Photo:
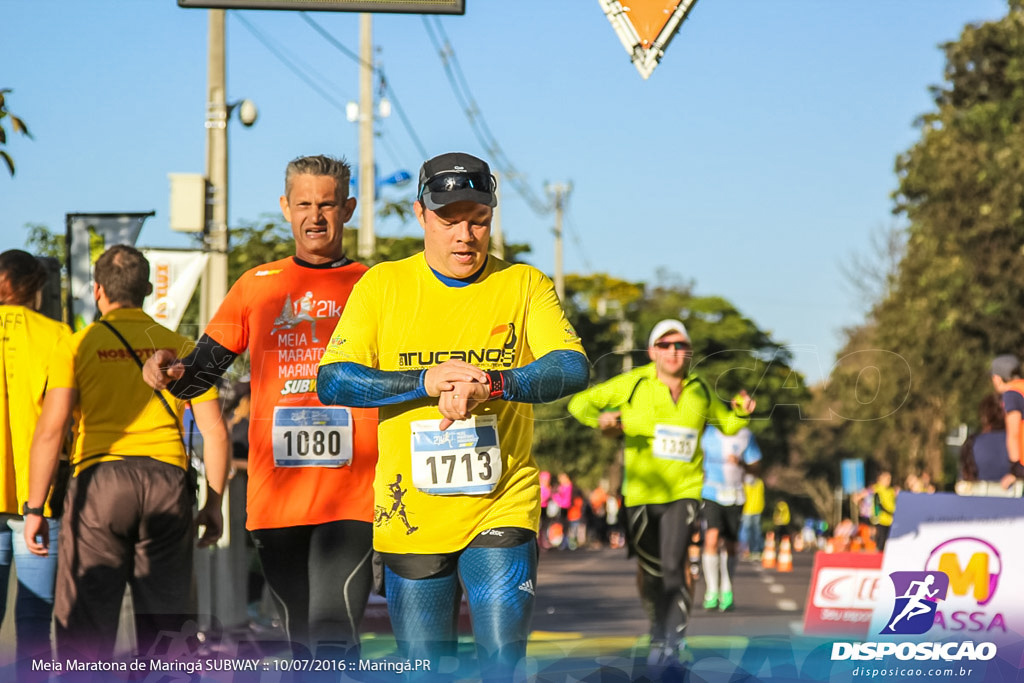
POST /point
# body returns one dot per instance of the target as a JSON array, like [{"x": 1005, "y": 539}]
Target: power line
[
  {"x": 460, "y": 86},
  {"x": 288, "y": 62},
  {"x": 395, "y": 104},
  {"x": 330, "y": 39},
  {"x": 578, "y": 241}
]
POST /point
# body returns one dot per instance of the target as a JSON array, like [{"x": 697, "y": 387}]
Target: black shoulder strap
[{"x": 138, "y": 361}]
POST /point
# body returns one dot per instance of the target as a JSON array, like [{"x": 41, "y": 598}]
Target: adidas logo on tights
[{"x": 527, "y": 586}]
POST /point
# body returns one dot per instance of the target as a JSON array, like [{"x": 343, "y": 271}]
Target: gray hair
[{"x": 320, "y": 164}]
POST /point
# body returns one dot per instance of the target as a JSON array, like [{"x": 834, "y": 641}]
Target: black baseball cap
[{"x": 456, "y": 177}]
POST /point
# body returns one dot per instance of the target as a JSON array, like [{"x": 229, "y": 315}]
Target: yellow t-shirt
[
  {"x": 118, "y": 415},
  {"x": 400, "y": 316},
  {"x": 754, "y": 504},
  {"x": 26, "y": 348},
  {"x": 885, "y": 505}
]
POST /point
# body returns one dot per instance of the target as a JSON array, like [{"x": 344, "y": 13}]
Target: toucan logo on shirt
[{"x": 504, "y": 356}]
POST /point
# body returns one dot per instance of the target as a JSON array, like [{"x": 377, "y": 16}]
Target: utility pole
[
  {"x": 215, "y": 279},
  {"x": 559, "y": 194},
  {"x": 367, "y": 175}
]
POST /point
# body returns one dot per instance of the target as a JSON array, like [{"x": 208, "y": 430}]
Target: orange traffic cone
[
  {"x": 798, "y": 544},
  {"x": 785, "y": 556},
  {"x": 768, "y": 556}
]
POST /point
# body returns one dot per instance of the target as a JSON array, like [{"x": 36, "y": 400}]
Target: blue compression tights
[{"x": 499, "y": 585}]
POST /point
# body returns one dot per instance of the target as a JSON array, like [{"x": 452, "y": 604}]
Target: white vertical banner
[{"x": 174, "y": 274}]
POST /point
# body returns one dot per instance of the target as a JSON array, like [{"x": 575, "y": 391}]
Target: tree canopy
[
  {"x": 918, "y": 366},
  {"x": 614, "y": 317}
]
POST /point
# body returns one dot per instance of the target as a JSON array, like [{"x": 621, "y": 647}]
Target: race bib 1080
[
  {"x": 312, "y": 437},
  {"x": 463, "y": 459}
]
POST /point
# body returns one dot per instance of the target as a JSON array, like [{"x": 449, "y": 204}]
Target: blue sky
[{"x": 756, "y": 161}]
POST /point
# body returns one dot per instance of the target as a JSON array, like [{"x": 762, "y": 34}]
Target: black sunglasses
[
  {"x": 451, "y": 181},
  {"x": 678, "y": 346}
]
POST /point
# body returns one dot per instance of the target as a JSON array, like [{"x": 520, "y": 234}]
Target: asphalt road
[
  {"x": 593, "y": 593},
  {"x": 588, "y": 623}
]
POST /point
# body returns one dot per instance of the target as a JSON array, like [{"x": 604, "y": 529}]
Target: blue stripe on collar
[{"x": 457, "y": 282}]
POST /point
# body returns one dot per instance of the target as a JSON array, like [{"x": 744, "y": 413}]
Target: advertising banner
[
  {"x": 949, "y": 589},
  {"x": 843, "y": 593},
  {"x": 174, "y": 275}
]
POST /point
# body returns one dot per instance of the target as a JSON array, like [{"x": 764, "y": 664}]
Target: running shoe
[
  {"x": 656, "y": 655},
  {"x": 725, "y": 603},
  {"x": 674, "y": 665},
  {"x": 711, "y": 601}
]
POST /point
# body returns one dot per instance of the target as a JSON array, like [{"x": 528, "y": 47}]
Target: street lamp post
[{"x": 225, "y": 566}]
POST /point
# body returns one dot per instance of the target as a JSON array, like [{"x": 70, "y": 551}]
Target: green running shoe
[
  {"x": 711, "y": 601},
  {"x": 725, "y": 603}
]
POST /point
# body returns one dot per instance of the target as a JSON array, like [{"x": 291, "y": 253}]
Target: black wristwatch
[{"x": 26, "y": 510}]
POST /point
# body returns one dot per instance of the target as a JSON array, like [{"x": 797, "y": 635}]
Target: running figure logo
[
  {"x": 293, "y": 314},
  {"x": 917, "y": 596},
  {"x": 382, "y": 515}
]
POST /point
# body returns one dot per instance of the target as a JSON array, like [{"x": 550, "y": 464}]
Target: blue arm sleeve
[
  {"x": 552, "y": 376},
  {"x": 359, "y": 386}
]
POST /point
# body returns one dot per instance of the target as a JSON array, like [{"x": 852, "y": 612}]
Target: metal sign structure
[
  {"x": 399, "y": 6},
  {"x": 646, "y": 27}
]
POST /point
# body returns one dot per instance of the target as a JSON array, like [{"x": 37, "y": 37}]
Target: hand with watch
[
  {"x": 37, "y": 530},
  {"x": 458, "y": 402}
]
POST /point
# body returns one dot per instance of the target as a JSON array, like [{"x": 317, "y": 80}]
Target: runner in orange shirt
[{"x": 310, "y": 500}]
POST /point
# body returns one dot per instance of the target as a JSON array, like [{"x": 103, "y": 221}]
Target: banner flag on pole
[
  {"x": 646, "y": 27},
  {"x": 174, "y": 274},
  {"x": 87, "y": 236}
]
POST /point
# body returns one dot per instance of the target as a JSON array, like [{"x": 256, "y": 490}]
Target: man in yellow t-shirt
[
  {"x": 753, "y": 508},
  {"x": 127, "y": 442},
  {"x": 27, "y": 342},
  {"x": 885, "y": 507},
  {"x": 453, "y": 345}
]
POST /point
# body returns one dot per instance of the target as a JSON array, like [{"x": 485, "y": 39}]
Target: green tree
[
  {"x": 917, "y": 367},
  {"x": 42, "y": 242},
  {"x": 17, "y": 126},
  {"x": 596, "y": 305},
  {"x": 730, "y": 351}
]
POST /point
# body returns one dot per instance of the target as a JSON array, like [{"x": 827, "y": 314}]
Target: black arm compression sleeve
[{"x": 203, "y": 367}]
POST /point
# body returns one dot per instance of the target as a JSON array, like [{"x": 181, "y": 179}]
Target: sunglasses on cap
[
  {"x": 451, "y": 181},
  {"x": 677, "y": 345}
]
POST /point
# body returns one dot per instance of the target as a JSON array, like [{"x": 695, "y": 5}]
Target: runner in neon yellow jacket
[{"x": 662, "y": 410}]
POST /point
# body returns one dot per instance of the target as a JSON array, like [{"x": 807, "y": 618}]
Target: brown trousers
[{"x": 128, "y": 521}]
